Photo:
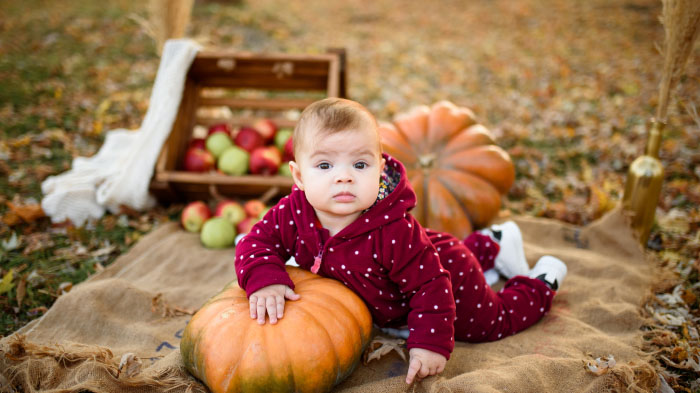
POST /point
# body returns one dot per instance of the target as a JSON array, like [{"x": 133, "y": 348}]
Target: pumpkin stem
[{"x": 427, "y": 161}]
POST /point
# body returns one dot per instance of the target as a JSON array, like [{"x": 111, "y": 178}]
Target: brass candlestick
[{"x": 643, "y": 186}]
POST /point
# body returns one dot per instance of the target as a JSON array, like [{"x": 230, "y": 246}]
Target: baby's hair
[{"x": 332, "y": 115}]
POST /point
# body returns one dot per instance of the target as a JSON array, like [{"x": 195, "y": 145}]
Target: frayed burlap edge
[
  {"x": 633, "y": 377},
  {"x": 29, "y": 367}
]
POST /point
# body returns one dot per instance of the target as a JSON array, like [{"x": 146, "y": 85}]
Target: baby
[{"x": 348, "y": 218}]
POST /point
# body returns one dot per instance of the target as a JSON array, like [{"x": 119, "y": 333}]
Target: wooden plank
[
  {"x": 178, "y": 139},
  {"x": 262, "y": 103},
  {"x": 243, "y": 121},
  {"x": 319, "y": 83},
  {"x": 220, "y": 179},
  {"x": 275, "y": 68},
  {"x": 342, "y": 70},
  {"x": 333, "y": 79},
  {"x": 257, "y": 56}
]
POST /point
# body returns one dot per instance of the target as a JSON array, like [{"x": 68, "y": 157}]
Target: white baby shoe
[
  {"x": 510, "y": 261},
  {"x": 551, "y": 270}
]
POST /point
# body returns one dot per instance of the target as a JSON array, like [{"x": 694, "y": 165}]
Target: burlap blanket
[{"x": 140, "y": 305}]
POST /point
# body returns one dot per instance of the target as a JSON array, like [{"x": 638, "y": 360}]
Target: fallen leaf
[
  {"x": 21, "y": 290},
  {"x": 11, "y": 219},
  {"x": 12, "y": 243},
  {"x": 601, "y": 366},
  {"x": 107, "y": 250},
  {"x": 28, "y": 213},
  {"x": 37, "y": 241},
  {"x": 6, "y": 284},
  {"x": 64, "y": 288},
  {"x": 381, "y": 346},
  {"x": 168, "y": 310},
  {"x": 129, "y": 365}
]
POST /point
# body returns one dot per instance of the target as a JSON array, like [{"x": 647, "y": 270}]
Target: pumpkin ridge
[
  {"x": 478, "y": 196},
  {"x": 460, "y": 203},
  {"x": 451, "y": 167},
  {"x": 232, "y": 374},
  {"x": 269, "y": 342},
  {"x": 357, "y": 325},
  {"x": 425, "y": 211},
  {"x": 406, "y": 139},
  {"x": 320, "y": 327},
  {"x": 290, "y": 369}
]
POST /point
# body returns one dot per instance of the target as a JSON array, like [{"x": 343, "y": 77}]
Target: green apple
[
  {"x": 234, "y": 161},
  {"x": 281, "y": 137},
  {"x": 218, "y": 232},
  {"x": 284, "y": 170},
  {"x": 217, "y": 143}
]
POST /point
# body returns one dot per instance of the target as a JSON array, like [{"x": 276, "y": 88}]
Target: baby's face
[{"x": 340, "y": 172}]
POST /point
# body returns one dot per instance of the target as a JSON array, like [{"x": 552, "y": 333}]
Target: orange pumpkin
[
  {"x": 453, "y": 164},
  {"x": 315, "y": 346}
]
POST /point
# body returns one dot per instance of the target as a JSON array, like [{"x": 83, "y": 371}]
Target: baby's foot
[
  {"x": 551, "y": 270},
  {"x": 510, "y": 261}
]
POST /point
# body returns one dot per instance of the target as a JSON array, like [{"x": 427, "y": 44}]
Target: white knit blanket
[{"x": 120, "y": 173}]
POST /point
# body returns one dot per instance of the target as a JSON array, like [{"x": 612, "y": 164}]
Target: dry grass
[
  {"x": 168, "y": 19},
  {"x": 681, "y": 20}
]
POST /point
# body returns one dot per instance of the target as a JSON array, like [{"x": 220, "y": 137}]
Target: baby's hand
[
  {"x": 423, "y": 363},
  {"x": 270, "y": 298}
]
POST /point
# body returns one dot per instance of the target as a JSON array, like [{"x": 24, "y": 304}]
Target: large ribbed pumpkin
[
  {"x": 453, "y": 164},
  {"x": 315, "y": 346}
]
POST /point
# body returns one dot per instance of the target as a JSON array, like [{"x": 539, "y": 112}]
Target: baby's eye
[
  {"x": 324, "y": 165},
  {"x": 360, "y": 165}
]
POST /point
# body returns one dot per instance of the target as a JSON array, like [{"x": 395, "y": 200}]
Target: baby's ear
[
  {"x": 382, "y": 163},
  {"x": 296, "y": 174}
]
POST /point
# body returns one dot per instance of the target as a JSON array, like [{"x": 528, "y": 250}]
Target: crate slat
[
  {"x": 261, "y": 103},
  {"x": 242, "y": 121}
]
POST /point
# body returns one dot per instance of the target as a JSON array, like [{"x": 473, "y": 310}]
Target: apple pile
[
  {"x": 218, "y": 229},
  {"x": 260, "y": 149}
]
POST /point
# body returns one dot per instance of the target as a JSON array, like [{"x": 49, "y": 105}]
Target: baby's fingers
[
  {"x": 413, "y": 368},
  {"x": 260, "y": 308},
  {"x": 271, "y": 305},
  {"x": 280, "y": 306},
  {"x": 253, "y": 304}
]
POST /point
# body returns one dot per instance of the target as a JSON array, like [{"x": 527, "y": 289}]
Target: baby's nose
[{"x": 343, "y": 176}]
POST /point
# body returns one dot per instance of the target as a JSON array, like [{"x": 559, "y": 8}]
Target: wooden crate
[{"x": 251, "y": 86}]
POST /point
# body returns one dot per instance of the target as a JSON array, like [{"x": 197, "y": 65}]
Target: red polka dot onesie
[{"x": 406, "y": 275}]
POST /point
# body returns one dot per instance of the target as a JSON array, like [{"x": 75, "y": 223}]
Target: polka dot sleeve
[
  {"x": 262, "y": 253},
  {"x": 414, "y": 266}
]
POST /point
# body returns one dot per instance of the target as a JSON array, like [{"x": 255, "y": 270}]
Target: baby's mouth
[{"x": 344, "y": 197}]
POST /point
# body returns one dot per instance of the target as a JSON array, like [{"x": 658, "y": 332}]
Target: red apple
[
  {"x": 221, "y": 127},
  {"x": 248, "y": 139},
  {"x": 247, "y": 224},
  {"x": 194, "y": 215},
  {"x": 199, "y": 143},
  {"x": 231, "y": 210},
  {"x": 267, "y": 128},
  {"x": 288, "y": 151},
  {"x": 265, "y": 160},
  {"x": 198, "y": 160},
  {"x": 253, "y": 208}
]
